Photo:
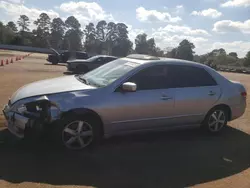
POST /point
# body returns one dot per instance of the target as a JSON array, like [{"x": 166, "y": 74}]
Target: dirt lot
[{"x": 172, "y": 159}]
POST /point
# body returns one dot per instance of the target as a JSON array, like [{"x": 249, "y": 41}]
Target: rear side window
[{"x": 188, "y": 76}]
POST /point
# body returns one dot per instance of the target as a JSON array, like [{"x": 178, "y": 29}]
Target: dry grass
[
  {"x": 9, "y": 53},
  {"x": 173, "y": 159}
]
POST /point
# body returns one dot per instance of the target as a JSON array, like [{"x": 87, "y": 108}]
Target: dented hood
[{"x": 49, "y": 86}]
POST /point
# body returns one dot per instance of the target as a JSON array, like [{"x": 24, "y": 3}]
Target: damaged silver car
[{"x": 136, "y": 93}]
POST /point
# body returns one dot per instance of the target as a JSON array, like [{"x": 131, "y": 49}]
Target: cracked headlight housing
[
  {"x": 37, "y": 107},
  {"x": 21, "y": 109},
  {"x": 18, "y": 107}
]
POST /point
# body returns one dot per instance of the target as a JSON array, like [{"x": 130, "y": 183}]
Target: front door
[{"x": 151, "y": 106}]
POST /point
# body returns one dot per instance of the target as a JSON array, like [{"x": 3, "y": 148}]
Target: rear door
[{"x": 196, "y": 92}]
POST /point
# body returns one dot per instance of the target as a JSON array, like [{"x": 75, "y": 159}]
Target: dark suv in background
[
  {"x": 64, "y": 56},
  {"x": 83, "y": 66}
]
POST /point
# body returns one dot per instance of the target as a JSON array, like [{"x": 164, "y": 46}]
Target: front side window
[
  {"x": 99, "y": 60},
  {"x": 151, "y": 78},
  {"x": 189, "y": 76},
  {"x": 108, "y": 59}
]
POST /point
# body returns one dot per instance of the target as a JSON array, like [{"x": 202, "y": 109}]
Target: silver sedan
[{"x": 136, "y": 93}]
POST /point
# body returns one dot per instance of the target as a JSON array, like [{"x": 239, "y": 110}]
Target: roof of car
[
  {"x": 160, "y": 60},
  {"x": 104, "y": 56}
]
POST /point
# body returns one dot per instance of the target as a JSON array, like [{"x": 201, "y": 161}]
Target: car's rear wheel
[
  {"x": 216, "y": 120},
  {"x": 79, "y": 133}
]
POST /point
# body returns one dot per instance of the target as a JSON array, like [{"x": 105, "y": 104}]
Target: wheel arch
[
  {"x": 224, "y": 106},
  {"x": 85, "y": 112}
]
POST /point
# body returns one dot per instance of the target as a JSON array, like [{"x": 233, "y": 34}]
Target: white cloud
[
  {"x": 212, "y": 13},
  {"x": 224, "y": 26},
  {"x": 144, "y": 15},
  {"x": 166, "y": 40},
  {"x": 86, "y": 12},
  {"x": 184, "y": 30},
  {"x": 236, "y": 3},
  {"x": 14, "y": 11},
  {"x": 241, "y": 47},
  {"x": 179, "y": 9},
  {"x": 171, "y": 36},
  {"x": 179, "y": 6},
  {"x": 15, "y": 1},
  {"x": 134, "y": 32}
]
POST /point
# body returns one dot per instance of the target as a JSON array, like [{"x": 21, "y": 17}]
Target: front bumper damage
[
  {"x": 35, "y": 115},
  {"x": 16, "y": 123}
]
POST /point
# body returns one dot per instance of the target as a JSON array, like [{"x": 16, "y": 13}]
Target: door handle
[{"x": 211, "y": 93}]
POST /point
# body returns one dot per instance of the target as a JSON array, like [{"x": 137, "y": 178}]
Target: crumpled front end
[{"x": 32, "y": 114}]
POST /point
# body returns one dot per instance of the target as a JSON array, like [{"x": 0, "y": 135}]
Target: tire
[
  {"x": 82, "y": 69},
  {"x": 55, "y": 62},
  {"x": 215, "y": 120},
  {"x": 78, "y": 133}
]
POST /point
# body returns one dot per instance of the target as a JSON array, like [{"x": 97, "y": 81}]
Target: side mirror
[{"x": 129, "y": 87}]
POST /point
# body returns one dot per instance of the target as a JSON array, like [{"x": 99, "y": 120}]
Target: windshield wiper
[{"x": 84, "y": 80}]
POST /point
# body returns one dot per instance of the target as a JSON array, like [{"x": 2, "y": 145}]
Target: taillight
[{"x": 243, "y": 94}]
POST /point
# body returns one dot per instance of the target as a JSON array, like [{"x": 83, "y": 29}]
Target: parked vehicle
[
  {"x": 64, "y": 56},
  {"x": 131, "y": 94},
  {"x": 84, "y": 66}
]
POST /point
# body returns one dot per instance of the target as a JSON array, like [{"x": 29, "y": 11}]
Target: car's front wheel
[
  {"x": 82, "y": 69},
  {"x": 79, "y": 133},
  {"x": 216, "y": 120}
]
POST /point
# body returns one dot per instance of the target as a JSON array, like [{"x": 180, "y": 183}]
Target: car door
[
  {"x": 151, "y": 106},
  {"x": 196, "y": 93},
  {"x": 96, "y": 63}
]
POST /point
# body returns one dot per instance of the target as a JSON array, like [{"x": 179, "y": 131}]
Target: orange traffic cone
[
  {"x": 7, "y": 61},
  {"x": 11, "y": 61},
  {"x": 1, "y": 63}
]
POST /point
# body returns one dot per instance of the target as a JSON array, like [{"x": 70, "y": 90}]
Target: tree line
[{"x": 103, "y": 38}]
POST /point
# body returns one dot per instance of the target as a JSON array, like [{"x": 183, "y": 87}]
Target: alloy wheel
[
  {"x": 77, "y": 135},
  {"x": 216, "y": 120}
]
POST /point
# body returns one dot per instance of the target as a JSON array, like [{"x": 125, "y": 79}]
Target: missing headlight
[
  {"x": 21, "y": 109},
  {"x": 42, "y": 109}
]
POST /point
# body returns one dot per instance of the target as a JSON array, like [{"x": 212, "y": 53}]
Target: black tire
[
  {"x": 82, "y": 69},
  {"x": 212, "y": 125},
  {"x": 88, "y": 121},
  {"x": 55, "y": 62}
]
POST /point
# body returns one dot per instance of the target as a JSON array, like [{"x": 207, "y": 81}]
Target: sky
[{"x": 209, "y": 24}]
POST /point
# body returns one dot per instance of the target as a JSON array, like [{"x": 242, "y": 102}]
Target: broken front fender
[{"x": 31, "y": 114}]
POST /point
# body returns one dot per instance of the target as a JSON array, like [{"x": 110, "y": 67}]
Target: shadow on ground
[
  {"x": 59, "y": 64},
  {"x": 68, "y": 73},
  {"x": 172, "y": 159}
]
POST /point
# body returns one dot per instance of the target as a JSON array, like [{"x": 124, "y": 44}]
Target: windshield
[
  {"x": 109, "y": 72},
  {"x": 93, "y": 58}
]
